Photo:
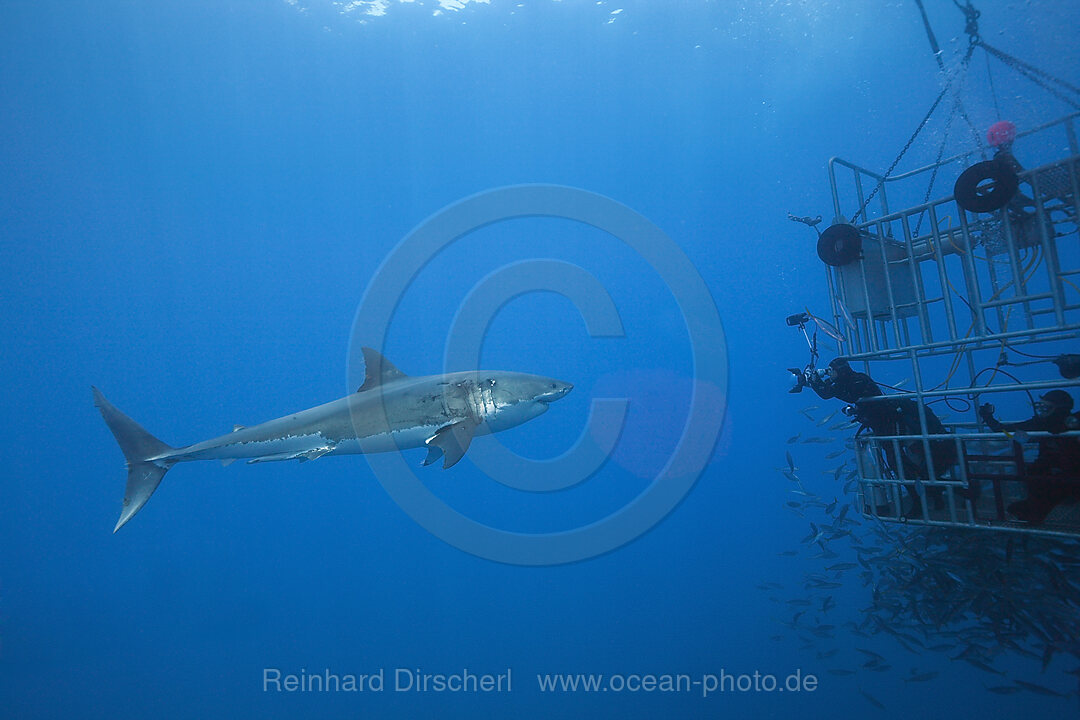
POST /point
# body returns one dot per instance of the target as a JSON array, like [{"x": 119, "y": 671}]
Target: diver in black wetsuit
[
  {"x": 839, "y": 381},
  {"x": 888, "y": 416},
  {"x": 1001, "y": 136},
  {"x": 1054, "y": 477}
]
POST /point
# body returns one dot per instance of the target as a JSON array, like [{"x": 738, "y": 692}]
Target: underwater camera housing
[
  {"x": 798, "y": 319},
  {"x": 806, "y": 376}
]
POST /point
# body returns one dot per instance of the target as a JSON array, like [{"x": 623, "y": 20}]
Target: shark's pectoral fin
[
  {"x": 433, "y": 454},
  {"x": 450, "y": 441},
  {"x": 226, "y": 462}
]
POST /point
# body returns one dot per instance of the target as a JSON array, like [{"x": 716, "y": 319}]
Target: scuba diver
[
  {"x": 880, "y": 415},
  {"x": 887, "y": 416},
  {"x": 901, "y": 416},
  {"x": 838, "y": 380},
  {"x": 1000, "y": 136},
  {"x": 868, "y": 406},
  {"x": 1054, "y": 476},
  {"x": 1054, "y": 184}
]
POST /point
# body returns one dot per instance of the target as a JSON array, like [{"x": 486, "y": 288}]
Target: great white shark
[{"x": 390, "y": 411}]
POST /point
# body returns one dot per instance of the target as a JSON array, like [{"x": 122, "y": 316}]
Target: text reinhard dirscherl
[{"x": 398, "y": 680}]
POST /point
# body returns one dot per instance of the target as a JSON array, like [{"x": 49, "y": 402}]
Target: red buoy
[{"x": 1001, "y": 133}]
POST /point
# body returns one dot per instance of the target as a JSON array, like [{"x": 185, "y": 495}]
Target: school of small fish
[{"x": 979, "y": 597}]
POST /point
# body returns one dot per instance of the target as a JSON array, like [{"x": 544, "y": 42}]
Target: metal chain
[
  {"x": 993, "y": 90},
  {"x": 971, "y": 18},
  {"x": 907, "y": 145},
  {"x": 971, "y": 27},
  {"x": 937, "y": 161},
  {"x": 1018, "y": 63},
  {"x": 936, "y": 49},
  {"x": 1033, "y": 74}
]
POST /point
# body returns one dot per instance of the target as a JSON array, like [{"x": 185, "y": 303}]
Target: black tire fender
[{"x": 985, "y": 187}]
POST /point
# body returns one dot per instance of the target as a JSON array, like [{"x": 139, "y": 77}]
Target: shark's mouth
[{"x": 560, "y": 390}]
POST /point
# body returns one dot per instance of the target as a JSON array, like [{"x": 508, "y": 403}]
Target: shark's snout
[{"x": 557, "y": 390}]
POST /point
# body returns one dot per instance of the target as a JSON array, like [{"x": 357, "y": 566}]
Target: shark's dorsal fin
[{"x": 378, "y": 370}]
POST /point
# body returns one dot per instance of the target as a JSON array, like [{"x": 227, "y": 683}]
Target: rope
[
  {"x": 1040, "y": 357},
  {"x": 930, "y": 36}
]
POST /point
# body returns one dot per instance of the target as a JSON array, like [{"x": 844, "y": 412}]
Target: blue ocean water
[{"x": 195, "y": 198}]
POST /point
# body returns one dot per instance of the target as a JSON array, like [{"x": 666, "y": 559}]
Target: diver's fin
[
  {"x": 450, "y": 441},
  {"x": 378, "y": 370},
  {"x": 140, "y": 449}
]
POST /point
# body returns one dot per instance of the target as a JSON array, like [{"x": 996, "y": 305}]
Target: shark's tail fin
[{"x": 140, "y": 449}]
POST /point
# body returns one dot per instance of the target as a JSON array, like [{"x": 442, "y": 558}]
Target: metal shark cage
[{"x": 944, "y": 298}]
